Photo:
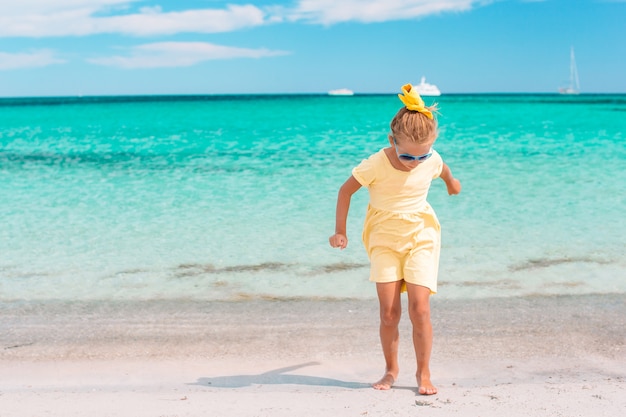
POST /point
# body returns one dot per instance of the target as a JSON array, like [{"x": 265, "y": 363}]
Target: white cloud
[
  {"x": 40, "y": 58},
  {"x": 42, "y": 18},
  {"x": 179, "y": 54},
  {"x": 329, "y": 12},
  {"x": 83, "y": 17},
  {"x": 18, "y": 8},
  {"x": 155, "y": 22}
]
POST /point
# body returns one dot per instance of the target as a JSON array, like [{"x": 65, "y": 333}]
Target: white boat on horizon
[
  {"x": 574, "y": 83},
  {"x": 341, "y": 92},
  {"x": 425, "y": 89}
]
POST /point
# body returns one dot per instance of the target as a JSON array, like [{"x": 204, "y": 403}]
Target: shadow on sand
[{"x": 277, "y": 376}]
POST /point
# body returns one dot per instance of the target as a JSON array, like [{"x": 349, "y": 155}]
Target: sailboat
[{"x": 574, "y": 84}]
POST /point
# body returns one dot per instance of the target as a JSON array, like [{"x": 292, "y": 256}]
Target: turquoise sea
[{"x": 233, "y": 197}]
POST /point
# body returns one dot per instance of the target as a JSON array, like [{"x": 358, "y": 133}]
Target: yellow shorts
[{"x": 404, "y": 248}]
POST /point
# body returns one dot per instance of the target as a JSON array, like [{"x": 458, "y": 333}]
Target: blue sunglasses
[{"x": 407, "y": 157}]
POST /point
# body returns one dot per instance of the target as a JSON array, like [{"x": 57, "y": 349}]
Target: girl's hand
[
  {"x": 338, "y": 240},
  {"x": 454, "y": 186}
]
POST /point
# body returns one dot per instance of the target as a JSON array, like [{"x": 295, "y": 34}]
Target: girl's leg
[
  {"x": 419, "y": 312},
  {"x": 390, "y": 311}
]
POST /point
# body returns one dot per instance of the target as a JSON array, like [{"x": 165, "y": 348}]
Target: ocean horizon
[{"x": 201, "y": 96}]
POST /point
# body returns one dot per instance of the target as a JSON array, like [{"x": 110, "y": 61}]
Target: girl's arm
[
  {"x": 339, "y": 239},
  {"x": 454, "y": 185}
]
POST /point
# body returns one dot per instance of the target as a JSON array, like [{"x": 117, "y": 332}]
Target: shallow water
[{"x": 232, "y": 197}]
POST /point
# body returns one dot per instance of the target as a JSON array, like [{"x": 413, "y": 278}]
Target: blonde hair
[{"x": 413, "y": 126}]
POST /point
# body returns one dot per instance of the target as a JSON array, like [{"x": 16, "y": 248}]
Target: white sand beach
[{"x": 535, "y": 356}]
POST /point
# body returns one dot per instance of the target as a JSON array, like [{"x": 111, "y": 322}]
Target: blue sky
[{"x": 119, "y": 47}]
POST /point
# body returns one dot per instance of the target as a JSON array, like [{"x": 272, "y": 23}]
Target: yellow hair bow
[{"x": 413, "y": 101}]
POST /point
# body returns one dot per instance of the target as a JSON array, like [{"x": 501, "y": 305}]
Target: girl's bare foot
[
  {"x": 385, "y": 383},
  {"x": 425, "y": 387}
]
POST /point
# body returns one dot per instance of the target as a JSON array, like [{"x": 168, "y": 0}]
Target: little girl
[{"x": 401, "y": 231}]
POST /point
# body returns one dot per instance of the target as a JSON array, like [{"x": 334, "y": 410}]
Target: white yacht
[
  {"x": 341, "y": 92},
  {"x": 425, "y": 89}
]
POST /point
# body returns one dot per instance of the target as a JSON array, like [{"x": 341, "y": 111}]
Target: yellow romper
[{"x": 401, "y": 233}]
